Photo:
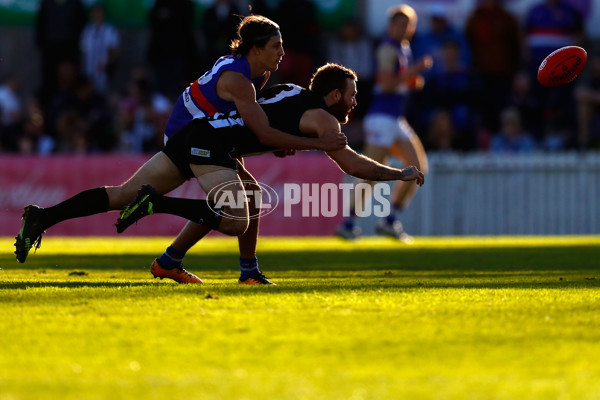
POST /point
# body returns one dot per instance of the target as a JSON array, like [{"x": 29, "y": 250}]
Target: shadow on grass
[
  {"x": 338, "y": 283},
  {"x": 73, "y": 285},
  {"x": 403, "y": 258}
]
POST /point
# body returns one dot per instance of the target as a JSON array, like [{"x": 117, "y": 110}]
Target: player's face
[
  {"x": 400, "y": 28},
  {"x": 346, "y": 103},
  {"x": 272, "y": 53}
]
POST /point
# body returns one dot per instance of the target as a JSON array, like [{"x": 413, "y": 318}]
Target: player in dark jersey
[
  {"x": 231, "y": 84},
  {"x": 333, "y": 89},
  {"x": 207, "y": 150}
]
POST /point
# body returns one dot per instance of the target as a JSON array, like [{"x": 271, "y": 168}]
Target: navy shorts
[{"x": 199, "y": 143}]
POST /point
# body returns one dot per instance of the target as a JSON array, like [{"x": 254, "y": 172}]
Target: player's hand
[
  {"x": 411, "y": 173},
  {"x": 333, "y": 140},
  {"x": 284, "y": 153}
]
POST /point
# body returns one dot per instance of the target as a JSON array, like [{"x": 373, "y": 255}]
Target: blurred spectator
[
  {"x": 100, "y": 49},
  {"x": 440, "y": 134},
  {"x": 588, "y": 107},
  {"x": 63, "y": 98},
  {"x": 524, "y": 100},
  {"x": 172, "y": 51},
  {"x": 262, "y": 7},
  {"x": 92, "y": 107},
  {"x": 512, "y": 138},
  {"x": 352, "y": 49},
  {"x": 220, "y": 28},
  {"x": 83, "y": 122},
  {"x": 494, "y": 37},
  {"x": 144, "y": 114},
  {"x": 450, "y": 88},
  {"x": 33, "y": 138},
  {"x": 11, "y": 114},
  {"x": 440, "y": 31},
  {"x": 301, "y": 38},
  {"x": 548, "y": 26},
  {"x": 58, "y": 27}
]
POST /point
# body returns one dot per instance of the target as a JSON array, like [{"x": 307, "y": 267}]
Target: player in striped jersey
[
  {"x": 231, "y": 84},
  {"x": 213, "y": 145}
]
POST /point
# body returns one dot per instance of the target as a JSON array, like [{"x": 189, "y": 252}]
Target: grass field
[{"x": 444, "y": 318}]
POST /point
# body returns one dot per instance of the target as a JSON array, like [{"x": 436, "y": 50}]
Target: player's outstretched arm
[
  {"x": 363, "y": 167},
  {"x": 320, "y": 122},
  {"x": 244, "y": 96}
]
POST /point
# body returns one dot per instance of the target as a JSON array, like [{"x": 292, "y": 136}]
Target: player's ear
[{"x": 337, "y": 94}]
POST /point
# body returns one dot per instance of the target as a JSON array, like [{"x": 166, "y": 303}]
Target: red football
[{"x": 562, "y": 66}]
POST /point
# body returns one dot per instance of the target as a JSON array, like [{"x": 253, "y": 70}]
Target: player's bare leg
[
  {"x": 158, "y": 171},
  {"x": 411, "y": 152},
  {"x": 193, "y": 232},
  {"x": 250, "y": 273}
]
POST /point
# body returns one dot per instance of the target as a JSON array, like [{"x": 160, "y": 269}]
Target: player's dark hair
[
  {"x": 253, "y": 30},
  {"x": 330, "y": 77}
]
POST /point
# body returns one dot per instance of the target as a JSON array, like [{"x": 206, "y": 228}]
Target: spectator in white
[
  {"x": 11, "y": 114},
  {"x": 99, "y": 49}
]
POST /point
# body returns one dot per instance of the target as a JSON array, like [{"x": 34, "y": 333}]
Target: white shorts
[{"x": 383, "y": 130}]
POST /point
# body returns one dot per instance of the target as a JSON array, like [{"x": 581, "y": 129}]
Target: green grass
[{"x": 445, "y": 318}]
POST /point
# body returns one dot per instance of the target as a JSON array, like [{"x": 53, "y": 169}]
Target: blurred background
[{"x": 87, "y": 86}]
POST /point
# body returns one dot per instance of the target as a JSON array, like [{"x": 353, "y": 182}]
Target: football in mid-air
[{"x": 562, "y": 66}]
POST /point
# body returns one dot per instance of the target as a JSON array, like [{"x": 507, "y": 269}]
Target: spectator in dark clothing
[
  {"x": 549, "y": 25},
  {"x": 12, "y": 114},
  {"x": 450, "y": 88},
  {"x": 58, "y": 26},
  {"x": 441, "y": 30},
  {"x": 260, "y": 7},
  {"x": 588, "y": 107},
  {"x": 220, "y": 28},
  {"x": 172, "y": 52},
  {"x": 92, "y": 107},
  {"x": 301, "y": 36},
  {"x": 494, "y": 36},
  {"x": 523, "y": 99},
  {"x": 63, "y": 99}
]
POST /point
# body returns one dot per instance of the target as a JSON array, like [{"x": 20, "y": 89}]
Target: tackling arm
[{"x": 244, "y": 96}]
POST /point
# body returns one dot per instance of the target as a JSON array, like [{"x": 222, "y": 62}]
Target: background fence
[
  {"x": 474, "y": 194},
  {"x": 483, "y": 194}
]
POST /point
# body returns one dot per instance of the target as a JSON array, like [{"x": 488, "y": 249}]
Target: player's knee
[
  {"x": 120, "y": 196},
  {"x": 233, "y": 226},
  {"x": 253, "y": 194}
]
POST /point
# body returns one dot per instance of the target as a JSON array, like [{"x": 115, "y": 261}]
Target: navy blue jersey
[{"x": 200, "y": 99}]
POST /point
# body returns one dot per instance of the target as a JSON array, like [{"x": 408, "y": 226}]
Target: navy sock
[
  {"x": 349, "y": 220},
  {"x": 248, "y": 267},
  {"x": 391, "y": 218},
  {"x": 171, "y": 258}
]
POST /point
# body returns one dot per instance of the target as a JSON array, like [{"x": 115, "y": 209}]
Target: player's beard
[{"x": 340, "y": 111}]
